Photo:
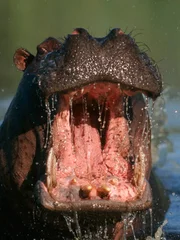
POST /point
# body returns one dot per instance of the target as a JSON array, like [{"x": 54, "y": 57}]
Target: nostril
[
  {"x": 120, "y": 32},
  {"x": 115, "y": 32},
  {"x": 41, "y": 50},
  {"x": 49, "y": 45},
  {"x": 75, "y": 32},
  {"x": 81, "y": 31}
]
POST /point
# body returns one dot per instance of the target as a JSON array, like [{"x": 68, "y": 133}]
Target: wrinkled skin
[{"x": 41, "y": 183}]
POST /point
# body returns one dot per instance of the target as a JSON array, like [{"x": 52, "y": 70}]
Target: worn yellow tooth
[
  {"x": 73, "y": 181},
  {"x": 85, "y": 191},
  {"x": 103, "y": 191},
  {"x": 113, "y": 181}
]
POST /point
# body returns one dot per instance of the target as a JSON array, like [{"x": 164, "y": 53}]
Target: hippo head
[{"x": 76, "y": 137}]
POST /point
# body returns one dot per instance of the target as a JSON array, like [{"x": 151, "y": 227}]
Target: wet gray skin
[
  {"x": 79, "y": 62},
  {"x": 57, "y": 79}
]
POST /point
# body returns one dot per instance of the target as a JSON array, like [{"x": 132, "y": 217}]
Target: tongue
[
  {"x": 88, "y": 154},
  {"x": 87, "y": 146},
  {"x": 117, "y": 144}
]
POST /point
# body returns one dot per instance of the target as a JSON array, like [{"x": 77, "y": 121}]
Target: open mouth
[{"x": 94, "y": 162}]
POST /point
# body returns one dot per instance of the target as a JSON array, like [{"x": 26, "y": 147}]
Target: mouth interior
[{"x": 93, "y": 157}]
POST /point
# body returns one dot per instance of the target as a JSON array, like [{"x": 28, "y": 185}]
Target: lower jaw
[{"x": 142, "y": 202}]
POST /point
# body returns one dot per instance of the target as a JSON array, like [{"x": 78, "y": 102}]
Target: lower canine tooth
[
  {"x": 73, "y": 181},
  {"x": 103, "y": 191},
  {"x": 51, "y": 167},
  {"x": 113, "y": 181},
  {"x": 49, "y": 183},
  {"x": 85, "y": 191}
]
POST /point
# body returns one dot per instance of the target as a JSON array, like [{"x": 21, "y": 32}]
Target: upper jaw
[
  {"x": 83, "y": 60},
  {"x": 90, "y": 179}
]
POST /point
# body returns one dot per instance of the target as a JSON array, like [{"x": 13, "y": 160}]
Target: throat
[{"x": 89, "y": 121}]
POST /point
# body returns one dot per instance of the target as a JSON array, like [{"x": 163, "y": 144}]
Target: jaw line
[{"x": 47, "y": 202}]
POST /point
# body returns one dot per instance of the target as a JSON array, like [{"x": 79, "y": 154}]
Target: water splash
[
  {"x": 127, "y": 110},
  {"x": 146, "y": 129},
  {"x": 144, "y": 222},
  {"x": 86, "y": 131},
  {"x": 48, "y": 127},
  {"x": 128, "y": 219},
  {"x": 151, "y": 220},
  {"x": 133, "y": 232},
  {"x": 78, "y": 228},
  {"x": 54, "y": 100},
  {"x": 99, "y": 232},
  {"x": 69, "y": 220},
  {"x": 72, "y": 123},
  {"x": 159, "y": 235},
  {"x": 85, "y": 109},
  {"x": 102, "y": 119}
]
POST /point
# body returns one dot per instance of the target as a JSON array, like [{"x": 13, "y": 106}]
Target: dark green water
[
  {"x": 27, "y": 23},
  {"x": 156, "y": 23}
]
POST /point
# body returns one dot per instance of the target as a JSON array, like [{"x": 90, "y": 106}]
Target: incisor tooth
[
  {"x": 48, "y": 183},
  {"x": 84, "y": 191},
  {"x": 73, "y": 181},
  {"x": 103, "y": 191},
  {"x": 113, "y": 181}
]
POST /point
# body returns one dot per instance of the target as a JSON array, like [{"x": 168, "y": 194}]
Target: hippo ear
[
  {"x": 22, "y": 58},
  {"x": 48, "y": 45}
]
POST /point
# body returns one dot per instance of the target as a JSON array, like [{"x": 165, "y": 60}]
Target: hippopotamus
[{"x": 75, "y": 143}]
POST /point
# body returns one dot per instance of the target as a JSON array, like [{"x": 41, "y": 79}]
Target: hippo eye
[
  {"x": 41, "y": 51},
  {"x": 49, "y": 45}
]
